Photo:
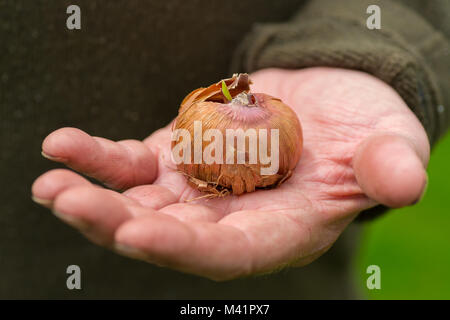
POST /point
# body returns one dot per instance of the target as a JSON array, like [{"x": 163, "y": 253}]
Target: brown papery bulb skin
[{"x": 245, "y": 111}]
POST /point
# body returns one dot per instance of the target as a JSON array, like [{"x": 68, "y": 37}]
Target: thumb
[{"x": 390, "y": 170}]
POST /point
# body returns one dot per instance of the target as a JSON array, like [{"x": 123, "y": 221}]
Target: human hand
[{"x": 362, "y": 146}]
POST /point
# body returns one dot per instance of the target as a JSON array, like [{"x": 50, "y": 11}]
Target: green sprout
[{"x": 225, "y": 91}]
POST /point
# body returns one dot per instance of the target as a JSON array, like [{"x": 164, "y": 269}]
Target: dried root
[{"x": 212, "y": 189}]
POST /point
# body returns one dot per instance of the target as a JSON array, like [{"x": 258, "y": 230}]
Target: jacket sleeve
[{"x": 409, "y": 52}]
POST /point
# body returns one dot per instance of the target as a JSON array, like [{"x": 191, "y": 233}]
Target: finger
[
  {"x": 96, "y": 212},
  {"x": 119, "y": 165},
  {"x": 45, "y": 188},
  {"x": 390, "y": 170}
]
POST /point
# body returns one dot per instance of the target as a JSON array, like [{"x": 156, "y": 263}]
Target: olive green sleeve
[{"x": 410, "y": 52}]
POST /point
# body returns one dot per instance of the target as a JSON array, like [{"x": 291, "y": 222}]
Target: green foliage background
[{"x": 412, "y": 245}]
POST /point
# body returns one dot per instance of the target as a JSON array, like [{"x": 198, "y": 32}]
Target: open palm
[{"x": 362, "y": 146}]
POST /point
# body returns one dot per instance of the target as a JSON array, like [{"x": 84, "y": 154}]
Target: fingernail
[
  {"x": 42, "y": 202},
  {"x": 72, "y": 221},
  {"x": 57, "y": 159},
  {"x": 129, "y": 251},
  {"x": 424, "y": 191}
]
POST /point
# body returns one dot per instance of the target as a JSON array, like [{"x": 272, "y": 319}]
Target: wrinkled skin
[{"x": 362, "y": 146}]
